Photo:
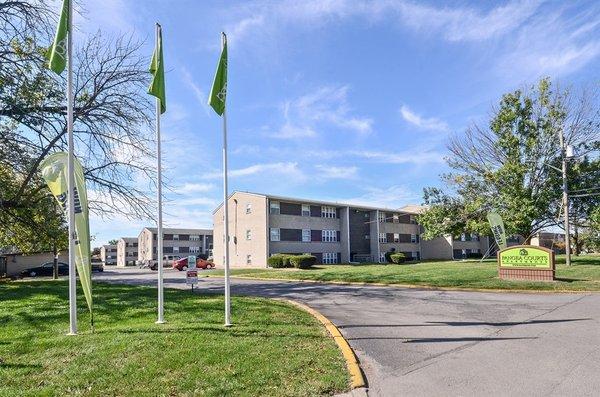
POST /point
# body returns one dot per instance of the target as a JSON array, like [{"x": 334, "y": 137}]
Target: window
[
  {"x": 176, "y": 237},
  {"x": 366, "y": 215},
  {"x": 474, "y": 237},
  {"x": 306, "y": 235},
  {"x": 328, "y": 212},
  {"x": 413, "y": 219},
  {"x": 382, "y": 238},
  {"x": 463, "y": 237},
  {"x": 274, "y": 207},
  {"x": 475, "y": 250},
  {"x": 329, "y": 236},
  {"x": 248, "y": 234},
  {"x": 396, "y": 237},
  {"x": 175, "y": 250},
  {"x": 248, "y": 259},
  {"x": 274, "y": 234},
  {"x": 194, "y": 250},
  {"x": 396, "y": 218},
  {"x": 305, "y": 210},
  {"x": 414, "y": 255},
  {"x": 414, "y": 238},
  {"x": 381, "y": 217},
  {"x": 382, "y": 257},
  {"x": 330, "y": 258},
  {"x": 248, "y": 208},
  {"x": 194, "y": 237}
]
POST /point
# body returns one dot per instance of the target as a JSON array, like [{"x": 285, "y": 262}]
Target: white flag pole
[
  {"x": 226, "y": 213},
  {"x": 71, "y": 179},
  {"x": 159, "y": 237}
]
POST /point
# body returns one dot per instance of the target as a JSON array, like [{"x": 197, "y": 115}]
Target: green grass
[
  {"x": 272, "y": 349},
  {"x": 583, "y": 275}
]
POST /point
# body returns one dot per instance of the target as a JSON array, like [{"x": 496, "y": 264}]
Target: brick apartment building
[
  {"x": 262, "y": 225},
  {"x": 176, "y": 242},
  {"x": 127, "y": 251},
  {"x": 108, "y": 254}
]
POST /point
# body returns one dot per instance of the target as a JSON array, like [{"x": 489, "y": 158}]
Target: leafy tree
[
  {"x": 113, "y": 242},
  {"x": 507, "y": 166}
]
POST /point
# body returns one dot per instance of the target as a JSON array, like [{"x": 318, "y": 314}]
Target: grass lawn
[
  {"x": 273, "y": 348},
  {"x": 583, "y": 275}
]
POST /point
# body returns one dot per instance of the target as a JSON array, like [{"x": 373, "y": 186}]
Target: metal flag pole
[
  {"x": 565, "y": 196},
  {"x": 159, "y": 237},
  {"x": 71, "y": 180},
  {"x": 226, "y": 212}
]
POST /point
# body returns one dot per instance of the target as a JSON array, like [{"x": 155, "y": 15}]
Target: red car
[{"x": 182, "y": 264}]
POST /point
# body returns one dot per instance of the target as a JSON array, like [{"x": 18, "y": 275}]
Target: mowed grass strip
[
  {"x": 273, "y": 349},
  {"x": 583, "y": 275}
]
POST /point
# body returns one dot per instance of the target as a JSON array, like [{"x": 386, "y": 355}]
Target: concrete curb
[
  {"x": 357, "y": 379},
  {"x": 416, "y": 286}
]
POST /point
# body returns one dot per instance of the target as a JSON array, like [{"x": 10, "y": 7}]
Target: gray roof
[
  {"x": 170, "y": 230},
  {"x": 129, "y": 239},
  {"x": 409, "y": 209}
]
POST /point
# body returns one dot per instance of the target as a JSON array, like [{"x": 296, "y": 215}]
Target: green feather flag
[
  {"x": 157, "y": 68},
  {"x": 57, "y": 53},
  {"x": 218, "y": 92}
]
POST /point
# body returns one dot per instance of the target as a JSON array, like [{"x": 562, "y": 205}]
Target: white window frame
[
  {"x": 194, "y": 237},
  {"x": 329, "y": 236},
  {"x": 413, "y": 238},
  {"x": 382, "y": 257},
  {"x": 463, "y": 237},
  {"x": 474, "y": 237},
  {"x": 415, "y": 255},
  {"x": 413, "y": 219},
  {"x": 274, "y": 208},
  {"x": 275, "y": 234},
  {"x": 330, "y": 258},
  {"x": 396, "y": 237},
  {"x": 175, "y": 250},
  {"x": 306, "y": 235},
  {"x": 248, "y": 208},
  {"x": 248, "y": 234},
  {"x": 305, "y": 210},
  {"x": 194, "y": 250},
  {"x": 383, "y": 238},
  {"x": 248, "y": 259},
  {"x": 328, "y": 212},
  {"x": 176, "y": 237},
  {"x": 381, "y": 217}
]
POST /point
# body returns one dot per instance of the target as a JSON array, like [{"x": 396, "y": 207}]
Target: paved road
[{"x": 429, "y": 343}]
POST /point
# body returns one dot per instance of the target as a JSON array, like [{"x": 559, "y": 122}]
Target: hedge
[
  {"x": 278, "y": 261},
  {"x": 302, "y": 261},
  {"x": 398, "y": 258}
]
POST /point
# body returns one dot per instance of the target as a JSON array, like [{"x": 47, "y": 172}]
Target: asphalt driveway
[{"x": 420, "y": 342}]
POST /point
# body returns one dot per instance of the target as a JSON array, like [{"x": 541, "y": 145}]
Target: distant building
[
  {"x": 176, "y": 242},
  {"x": 127, "y": 251},
  {"x": 108, "y": 254},
  {"x": 11, "y": 264},
  {"x": 553, "y": 241}
]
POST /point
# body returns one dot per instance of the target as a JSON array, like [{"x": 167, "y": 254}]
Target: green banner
[
  {"x": 525, "y": 256},
  {"x": 54, "y": 171},
  {"x": 497, "y": 226},
  {"x": 157, "y": 69},
  {"x": 218, "y": 92},
  {"x": 57, "y": 53}
]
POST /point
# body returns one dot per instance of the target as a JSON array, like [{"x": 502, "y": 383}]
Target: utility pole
[{"x": 563, "y": 150}]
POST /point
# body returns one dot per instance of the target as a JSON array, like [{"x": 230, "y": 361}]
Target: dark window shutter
[
  {"x": 339, "y": 235},
  {"x": 319, "y": 257},
  {"x": 315, "y": 211},
  {"x": 339, "y": 257},
  {"x": 390, "y": 237},
  {"x": 315, "y": 235}
]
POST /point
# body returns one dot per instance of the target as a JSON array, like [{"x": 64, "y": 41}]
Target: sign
[
  {"x": 524, "y": 256},
  {"x": 497, "y": 226},
  {"x": 191, "y": 273}
]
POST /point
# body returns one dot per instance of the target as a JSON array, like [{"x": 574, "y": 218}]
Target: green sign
[{"x": 526, "y": 256}]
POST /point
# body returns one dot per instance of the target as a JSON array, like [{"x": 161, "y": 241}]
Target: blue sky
[{"x": 339, "y": 100}]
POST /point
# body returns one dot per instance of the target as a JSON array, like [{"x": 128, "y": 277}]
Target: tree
[
  {"x": 112, "y": 133},
  {"x": 507, "y": 166},
  {"x": 113, "y": 242}
]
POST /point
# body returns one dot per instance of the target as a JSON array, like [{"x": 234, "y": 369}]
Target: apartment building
[
  {"x": 108, "y": 254},
  {"x": 127, "y": 251},
  {"x": 176, "y": 242},
  {"x": 262, "y": 225}
]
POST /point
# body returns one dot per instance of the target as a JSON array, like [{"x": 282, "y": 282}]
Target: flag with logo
[
  {"x": 497, "y": 226},
  {"x": 57, "y": 53},
  {"x": 54, "y": 172},
  {"x": 157, "y": 69},
  {"x": 218, "y": 92}
]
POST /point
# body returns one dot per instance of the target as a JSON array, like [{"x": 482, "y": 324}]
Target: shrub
[
  {"x": 398, "y": 258},
  {"x": 388, "y": 255},
  {"x": 278, "y": 261},
  {"x": 302, "y": 261}
]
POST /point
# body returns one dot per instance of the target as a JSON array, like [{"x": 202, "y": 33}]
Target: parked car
[
  {"x": 46, "y": 269},
  {"x": 182, "y": 264},
  {"x": 97, "y": 267},
  {"x": 168, "y": 260}
]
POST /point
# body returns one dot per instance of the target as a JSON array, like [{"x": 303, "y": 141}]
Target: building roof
[
  {"x": 323, "y": 202},
  {"x": 414, "y": 208},
  {"x": 169, "y": 230},
  {"x": 129, "y": 239},
  {"x": 109, "y": 246}
]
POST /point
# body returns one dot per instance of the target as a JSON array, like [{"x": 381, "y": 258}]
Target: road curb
[
  {"x": 415, "y": 286},
  {"x": 357, "y": 379}
]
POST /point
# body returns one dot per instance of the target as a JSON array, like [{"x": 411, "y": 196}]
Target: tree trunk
[{"x": 55, "y": 265}]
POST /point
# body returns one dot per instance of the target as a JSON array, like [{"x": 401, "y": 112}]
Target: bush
[
  {"x": 474, "y": 255},
  {"x": 279, "y": 261},
  {"x": 398, "y": 258},
  {"x": 388, "y": 255},
  {"x": 302, "y": 261}
]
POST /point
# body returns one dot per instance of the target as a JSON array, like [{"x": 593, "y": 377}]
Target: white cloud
[
  {"x": 333, "y": 172},
  {"x": 240, "y": 29},
  {"x": 422, "y": 122},
  {"x": 198, "y": 92},
  {"x": 390, "y": 197},
  {"x": 289, "y": 170},
  {"x": 191, "y": 188}
]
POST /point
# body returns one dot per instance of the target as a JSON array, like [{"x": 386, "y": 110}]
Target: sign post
[
  {"x": 192, "y": 272},
  {"x": 526, "y": 262}
]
